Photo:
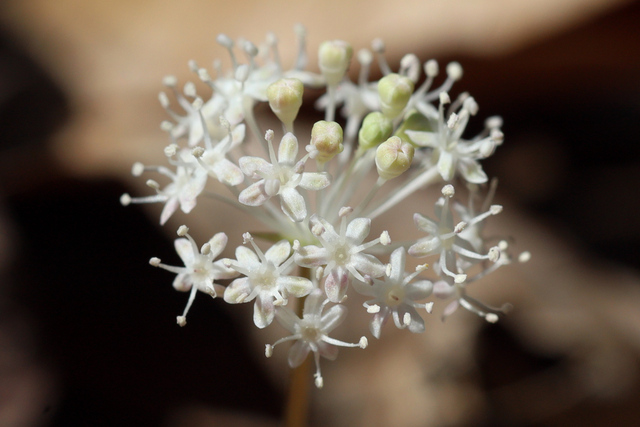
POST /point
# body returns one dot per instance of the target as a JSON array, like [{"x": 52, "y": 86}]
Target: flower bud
[
  {"x": 375, "y": 129},
  {"x": 285, "y": 99},
  {"x": 414, "y": 121},
  {"x": 394, "y": 91},
  {"x": 393, "y": 157},
  {"x": 333, "y": 59},
  {"x": 326, "y": 140}
]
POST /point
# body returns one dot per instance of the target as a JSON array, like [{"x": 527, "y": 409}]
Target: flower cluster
[{"x": 391, "y": 130}]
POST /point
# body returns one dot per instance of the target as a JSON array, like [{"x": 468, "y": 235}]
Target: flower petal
[
  {"x": 425, "y": 247},
  {"x": 446, "y": 165},
  {"x": 327, "y": 350},
  {"x": 314, "y": 180},
  {"x": 293, "y": 204},
  {"x": 423, "y": 139},
  {"x": 335, "y": 285},
  {"x": 217, "y": 243},
  {"x": 397, "y": 260},
  {"x": 472, "y": 171},
  {"x": 254, "y": 195},
  {"x": 419, "y": 290},
  {"x": 252, "y": 166},
  {"x": 310, "y": 256},
  {"x": 288, "y": 149},
  {"x": 279, "y": 252},
  {"x": 358, "y": 229},
  {"x": 227, "y": 172},
  {"x": 296, "y": 286},
  {"x": 313, "y": 303},
  {"x": 247, "y": 258},
  {"x": 378, "y": 321},
  {"x": 238, "y": 291},
  {"x": 168, "y": 210},
  {"x": 333, "y": 317},
  {"x": 425, "y": 224},
  {"x": 298, "y": 353},
  {"x": 368, "y": 264},
  {"x": 185, "y": 251},
  {"x": 263, "y": 310},
  {"x": 287, "y": 318}
]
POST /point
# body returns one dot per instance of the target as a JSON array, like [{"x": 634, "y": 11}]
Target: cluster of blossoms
[{"x": 322, "y": 250}]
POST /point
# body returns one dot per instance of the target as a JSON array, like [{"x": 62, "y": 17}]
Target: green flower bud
[
  {"x": 333, "y": 59},
  {"x": 326, "y": 140},
  {"x": 394, "y": 91},
  {"x": 285, "y": 99},
  {"x": 393, "y": 157},
  {"x": 376, "y": 128},
  {"x": 414, "y": 121}
]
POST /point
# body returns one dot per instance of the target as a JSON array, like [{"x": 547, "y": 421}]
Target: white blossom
[
  {"x": 396, "y": 295},
  {"x": 281, "y": 177},
  {"x": 311, "y": 333},
  {"x": 449, "y": 151},
  {"x": 341, "y": 253},
  {"x": 200, "y": 271},
  {"x": 266, "y": 280}
]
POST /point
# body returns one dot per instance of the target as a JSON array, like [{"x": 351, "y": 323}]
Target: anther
[
  {"x": 364, "y": 342},
  {"x": 491, "y": 317},
  {"x": 454, "y": 71},
  {"x": 197, "y": 152},
  {"x": 385, "y": 239},
  {"x": 375, "y": 308},
  {"x": 344, "y": 211},
  {"x": 431, "y": 68},
  {"x": 190, "y": 89},
  {"x": 524, "y": 256},
  {"x": 155, "y": 261},
  {"x": 448, "y": 191},
  {"x": 137, "y": 169},
  {"x": 169, "y": 81},
  {"x": 495, "y": 209},
  {"x": 153, "y": 184},
  {"x": 183, "y": 230},
  {"x": 125, "y": 199},
  {"x": 406, "y": 319}
]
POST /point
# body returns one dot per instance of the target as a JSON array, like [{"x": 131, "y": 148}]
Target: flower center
[
  {"x": 266, "y": 278},
  {"x": 394, "y": 296},
  {"x": 341, "y": 255},
  {"x": 310, "y": 333}
]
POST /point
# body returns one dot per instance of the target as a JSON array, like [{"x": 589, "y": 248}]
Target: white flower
[
  {"x": 281, "y": 177},
  {"x": 266, "y": 280},
  {"x": 311, "y": 333},
  {"x": 396, "y": 296},
  {"x": 187, "y": 184},
  {"x": 200, "y": 271},
  {"x": 213, "y": 157},
  {"x": 450, "y": 152},
  {"x": 341, "y": 253},
  {"x": 444, "y": 238}
]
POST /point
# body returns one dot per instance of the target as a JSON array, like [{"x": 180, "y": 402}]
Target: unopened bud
[
  {"x": 376, "y": 128},
  {"x": 333, "y": 59},
  {"x": 394, "y": 91},
  {"x": 393, "y": 157},
  {"x": 285, "y": 99},
  {"x": 326, "y": 140}
]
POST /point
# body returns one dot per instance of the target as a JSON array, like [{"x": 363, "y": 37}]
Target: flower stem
[{"x": 297, "y": 406}]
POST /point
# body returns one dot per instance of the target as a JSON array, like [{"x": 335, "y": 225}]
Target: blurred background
[{"x": 87, "y": 328}]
